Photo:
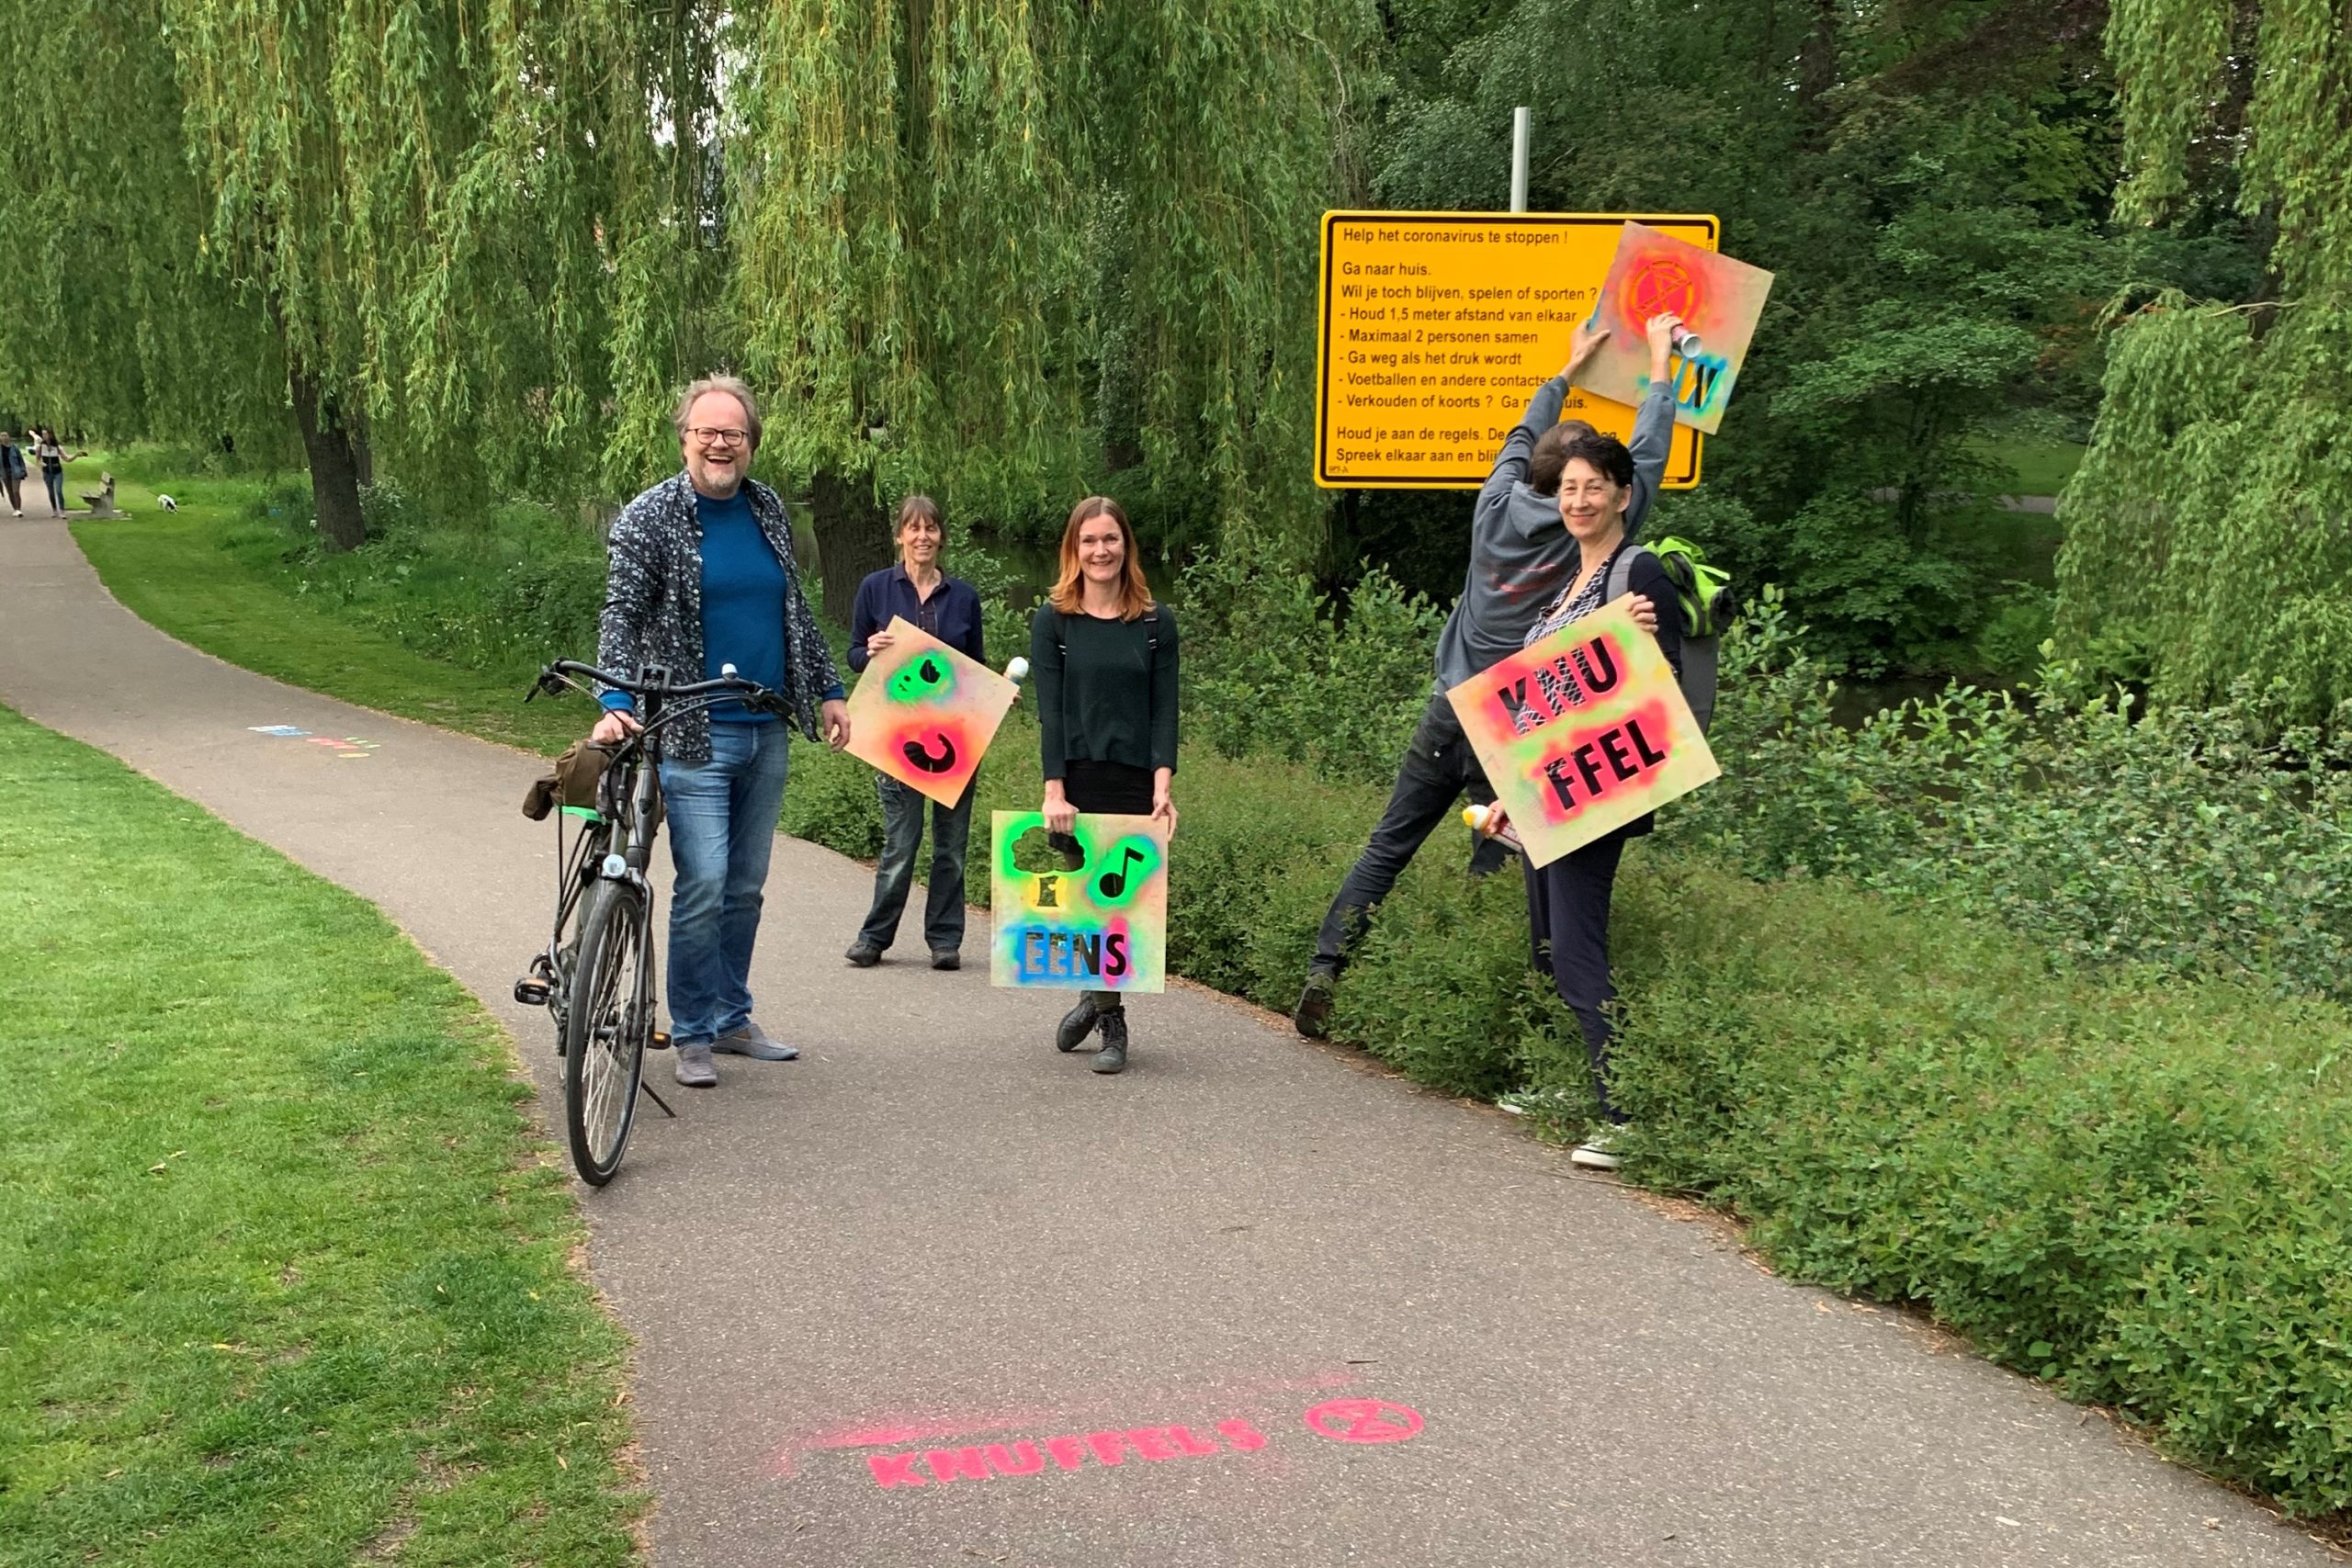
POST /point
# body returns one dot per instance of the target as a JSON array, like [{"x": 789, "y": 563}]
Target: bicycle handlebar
[{"x": 557, "y": 676}]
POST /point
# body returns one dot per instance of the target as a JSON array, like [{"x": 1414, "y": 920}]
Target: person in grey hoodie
[{"x": 1521, "y": 557}]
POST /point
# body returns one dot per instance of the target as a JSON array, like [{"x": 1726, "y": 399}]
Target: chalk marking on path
[
  {"x": 1108, "y": 1447},
  {"x": 1363, "y": 1421},
  {"x": 896, "y": 1430},
  {"x": 346, "y": 746}
]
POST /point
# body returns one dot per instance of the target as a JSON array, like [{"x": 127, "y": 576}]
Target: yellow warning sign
[{"x": 1439, "y": 326}]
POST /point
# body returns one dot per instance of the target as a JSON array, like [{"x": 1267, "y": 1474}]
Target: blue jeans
[
  {"x": 1436, "y": 769},
  {"x": 722, "y": 825},
  {"x": 55, "y": 483},
  {"x": 894, "y": 873}
]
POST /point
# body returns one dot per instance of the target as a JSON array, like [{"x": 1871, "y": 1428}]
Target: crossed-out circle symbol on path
[{"x": 1363, "y": 1421}]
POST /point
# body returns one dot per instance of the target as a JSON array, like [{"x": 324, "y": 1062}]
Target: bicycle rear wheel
[{"x": 606, "y": 1028}]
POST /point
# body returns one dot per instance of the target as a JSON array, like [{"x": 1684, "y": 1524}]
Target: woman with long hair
[
  {"x": 1103, "y": 658},
  {"x": 51, "y": 453}
]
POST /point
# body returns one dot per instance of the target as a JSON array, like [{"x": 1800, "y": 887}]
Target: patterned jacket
[{"x": 653, "y": 605}]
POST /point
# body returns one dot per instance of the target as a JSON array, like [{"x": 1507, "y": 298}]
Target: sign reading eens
[{"x": 1438, "y": 326}]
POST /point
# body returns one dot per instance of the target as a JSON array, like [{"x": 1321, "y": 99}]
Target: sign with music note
[
  {"x": 1082, "y": 911},
  {"x": 924, "y": 713}
]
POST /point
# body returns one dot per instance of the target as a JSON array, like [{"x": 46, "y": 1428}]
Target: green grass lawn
[
  {"x": 285, "y": 1277},
  {"x": 2040, "y": 466},
  {"x": 200, "y": 574}
]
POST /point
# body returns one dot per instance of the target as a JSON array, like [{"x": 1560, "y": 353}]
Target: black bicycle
[{"x": 596, "y": 977}]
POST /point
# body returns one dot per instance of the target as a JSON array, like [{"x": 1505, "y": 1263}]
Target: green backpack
[{"x": 1708, "y": 606}]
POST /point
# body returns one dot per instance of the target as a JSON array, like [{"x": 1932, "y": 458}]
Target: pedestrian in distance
[
  {"x": 1102, "y": 653},
  {"x": 1520, "y": 556},
  {"x": 917, "y": 591},
  {"x": 13, "y": 472},
  {"x": 1568, "y": 901},
  {"x": 702, "y": 576},
  {"x": 51, "y": 454}
]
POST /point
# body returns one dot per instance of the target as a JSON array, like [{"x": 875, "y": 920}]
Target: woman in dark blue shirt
[{"x": 918, "y": 593}]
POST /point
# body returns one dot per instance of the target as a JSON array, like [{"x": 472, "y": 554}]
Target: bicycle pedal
[
  {"x": 531, "y": 993},
  {"x": 660, "y": 1042}
]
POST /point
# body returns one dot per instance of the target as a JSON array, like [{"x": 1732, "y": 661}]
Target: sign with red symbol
[
  {"x": 1363, "y": 1421},
  {"x": 1718, "y": 302}
]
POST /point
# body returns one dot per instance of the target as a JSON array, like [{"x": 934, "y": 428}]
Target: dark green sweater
[{"x": 1115, "y": 701}]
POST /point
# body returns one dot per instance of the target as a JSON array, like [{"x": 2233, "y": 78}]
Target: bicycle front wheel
[{"x": 606, "y": 1028}]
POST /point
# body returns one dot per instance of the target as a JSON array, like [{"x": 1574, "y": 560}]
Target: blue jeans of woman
[
  {"x": 55, "y": 480},
  {"x": 722, "y": 826},
  {"x": 894, "y": 873}
]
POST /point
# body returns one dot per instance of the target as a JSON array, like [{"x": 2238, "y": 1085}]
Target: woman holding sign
[
  {"x": 1102, "y": 653},
  {"x": 918, "y": 593},
  {"x": 1568, "y": 901}
]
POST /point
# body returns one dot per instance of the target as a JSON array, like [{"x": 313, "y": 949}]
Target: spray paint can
[
  {"x": 1491, "y": 820},
  {"x": 1683, "y": 341}
]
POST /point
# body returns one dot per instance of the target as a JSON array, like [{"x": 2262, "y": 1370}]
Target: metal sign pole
[{"x": 1521, "y": 121}]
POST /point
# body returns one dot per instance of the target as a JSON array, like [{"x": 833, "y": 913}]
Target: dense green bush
[
  {"x": 2180, "y": 838},
  {"x": 1274, "y": 668}
]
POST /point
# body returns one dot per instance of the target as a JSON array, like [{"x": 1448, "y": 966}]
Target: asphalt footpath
[{"x": 935, "y": 1294}]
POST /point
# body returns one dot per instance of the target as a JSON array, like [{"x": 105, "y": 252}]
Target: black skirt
[{"x": 1116, "y": 789}]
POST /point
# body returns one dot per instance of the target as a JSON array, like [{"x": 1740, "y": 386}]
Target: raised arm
[
  {"x": 1653, "y": 439},
  {"x": 1542, "y": 413}
]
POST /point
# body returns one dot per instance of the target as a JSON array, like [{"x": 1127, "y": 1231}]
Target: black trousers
[
  {"x": 1437, "y": 767},
  {"x": 1568, "y": 917},
  {"x": 1115, "y": 789}
]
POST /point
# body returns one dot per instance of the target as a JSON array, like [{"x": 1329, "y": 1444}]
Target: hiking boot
[
  {"x": 695, "y": 1069},
  {"x": 1600, "y": 1151},
  {"x": 946, "y": 958},
  {"x": 862, "y": 954},
  {"x": 1113, "y": 1057},
  {"x": 1077, "y": 1023},
  {"x": 1312, "y": 1014},
  {"x": 752, "y": 1040}
]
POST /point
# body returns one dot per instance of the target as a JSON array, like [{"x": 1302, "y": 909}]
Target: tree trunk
[
  {"x": 853, "y": 537},
  {"x": 334, "y": 464}
]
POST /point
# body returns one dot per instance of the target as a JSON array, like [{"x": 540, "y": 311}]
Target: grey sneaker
[
  {"x": 863, "y": 956},
  {"x": 752, "y": 1040},
  {"x": 1598, "y": 1152},
  {"x": 694, "y": 1068},
  {"x": 946, "y": 958}
]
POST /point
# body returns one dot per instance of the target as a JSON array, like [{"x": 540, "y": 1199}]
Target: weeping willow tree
[
  {"x": 2208, "y": 527},
  {"x": 994, "y": 249},
  {"x": 110, "y": 320},
  {"x": 416, "y": 226}
]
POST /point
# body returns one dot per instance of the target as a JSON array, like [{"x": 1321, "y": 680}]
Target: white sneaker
[{"x": 1597, "y": 1153}]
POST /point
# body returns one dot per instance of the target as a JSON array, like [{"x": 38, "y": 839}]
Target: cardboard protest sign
[
  {"x": 1086, "y": 912},
  {"x": 1719, "y": 300},
  {"x": 1583, "y": 733},
  {"x": 924, "y": 713}
]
